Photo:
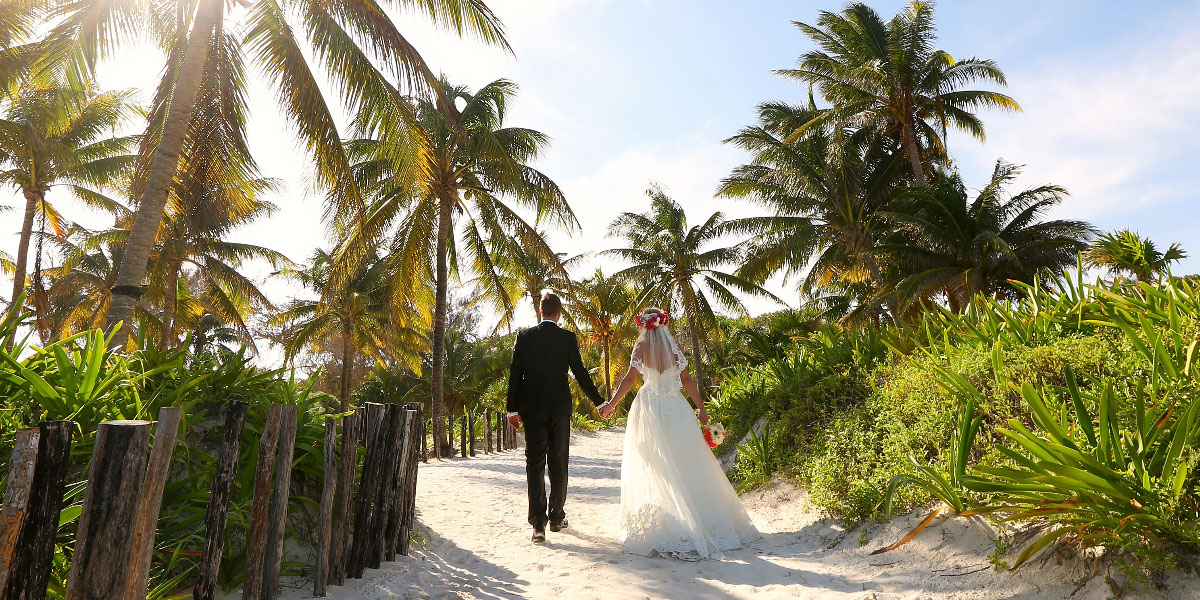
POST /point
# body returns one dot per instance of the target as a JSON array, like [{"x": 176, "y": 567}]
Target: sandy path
[{"x": 472, "y": 514}]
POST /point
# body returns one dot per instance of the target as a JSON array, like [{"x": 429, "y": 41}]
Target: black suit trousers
[{"x": 547, "y": 444}]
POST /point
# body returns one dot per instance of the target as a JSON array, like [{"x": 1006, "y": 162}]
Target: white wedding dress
[{"x": 675, "y": 499}]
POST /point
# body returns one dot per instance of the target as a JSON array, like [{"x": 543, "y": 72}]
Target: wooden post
[
  {"x": 216, "y": 514},
  {"x": 385, "y": 493},
  {"x": 32, "y": 503},
  {"x": 471, "y": 433},
  {"x": 363, "y": 519},
  {"x": 277, "y": 526},
  {"x": 100, "y": 563},
  {"x": 405, "y": 438},
  {"x": 462, "y": 438},
  {"x": 487, "y": 431},
  {"x": 325, "y": 517},
  {"x": 351, "y": 428},
  {"x": 424, "y": 443},
  {"x": 256, "y": 539},
  {"x": 450, "y": 434},
  {"x": 151, "y": 501},
  {"x": 408, "y": 513}
]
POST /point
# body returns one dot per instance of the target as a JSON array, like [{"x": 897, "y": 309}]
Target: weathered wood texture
[
  {"x": 13, "y": 515},
  {"x": 325, "y": 517},
  {"x": 344, "y": 498},
  {"x": 216, "y": 514},
  {"x": 405, "y": 460},
  {"x": 277, "y": 525},
  {"x": 256, "y": 539},
  {"x": 32, "y": 503},
  {"x": 389, "y": 449},
  {"x": 100, "y": 563},
  {"x": 150, "y": 502},
  {"x": 368, "y": 486},
  {"x": 408, "y": 515}
]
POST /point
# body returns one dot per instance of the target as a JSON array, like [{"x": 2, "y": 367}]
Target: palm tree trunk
[
  {"x": 163, "y": 166},
  {"x": 167, "y": 339},
  {"x": 347, "y": 363},
  {"x": 607, "y": 367},
  {"x": 537, "y": 305},
  {"x": 909, "y": 141},
  {"x": 693, "y": 309},
  {"x": 32, "y": 199},
  {"x": 439, "y": 326}
]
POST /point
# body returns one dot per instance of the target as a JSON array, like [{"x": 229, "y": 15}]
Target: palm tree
[
  {"x": 1124, "y": 251},
  {"x": 888, "y": 77},
  {"x": 525, "y": 272},
  {"x": 354, "y": 41},
  {"x": 603, "y": 302},
  {"x": 81, "y": 286},
  {"x": 674, "y": 265},
  {"x": 53, "y": 136},
  {"x": 193, "y": 239},
  {"x": 353, "y": 317},
  {"x": 827, "y": 194},
  {"x": 958, "y": 247},
  {"x": 460, "y": 163}
]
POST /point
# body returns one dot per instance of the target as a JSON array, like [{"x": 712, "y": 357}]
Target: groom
[{"x": 539, "y": 397}]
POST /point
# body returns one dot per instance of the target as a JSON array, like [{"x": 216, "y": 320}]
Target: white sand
[{"x": 472, "y": 512}]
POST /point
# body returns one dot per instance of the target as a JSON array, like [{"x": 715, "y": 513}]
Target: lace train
[{"x": 675, "y": 499}]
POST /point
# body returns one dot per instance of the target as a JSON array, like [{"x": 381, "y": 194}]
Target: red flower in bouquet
[{"x": 714, "y": 434}]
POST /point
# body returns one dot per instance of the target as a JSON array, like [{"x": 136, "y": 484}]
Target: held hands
[
  {"x": 703, "y": 416},
  {"x": 515, "y": 421},
  {"x": 607, "y": 409}
]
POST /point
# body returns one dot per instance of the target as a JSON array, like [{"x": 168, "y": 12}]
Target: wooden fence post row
[
  {"x": 29, "y": 517},
  {"x": 115, "y": 540}
]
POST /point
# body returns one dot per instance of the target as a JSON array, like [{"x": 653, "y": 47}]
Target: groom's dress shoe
[
  {"x": 559, "y": 526},
  {"x": 539, "y": 534}
]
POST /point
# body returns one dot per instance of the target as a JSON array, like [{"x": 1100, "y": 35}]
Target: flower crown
[{"x": 653, "y": 321}]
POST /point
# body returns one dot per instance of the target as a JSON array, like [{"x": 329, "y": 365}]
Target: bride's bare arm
[
  {"x": 626, "y": 384},
  {"x": 693, "y": 392}
]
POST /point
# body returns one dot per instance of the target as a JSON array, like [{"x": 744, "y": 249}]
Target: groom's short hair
[{"x": 551, "y": 305}]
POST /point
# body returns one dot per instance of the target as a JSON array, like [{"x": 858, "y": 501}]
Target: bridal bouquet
[{"x": 714, "y": 434}]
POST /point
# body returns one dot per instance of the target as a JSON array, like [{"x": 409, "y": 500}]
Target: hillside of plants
[
  {"x": 960, "y": 344},
  {"x": 1072, "y": 410}
]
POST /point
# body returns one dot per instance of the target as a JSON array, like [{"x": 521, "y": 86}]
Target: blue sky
[{"x": 634, "y": 91}]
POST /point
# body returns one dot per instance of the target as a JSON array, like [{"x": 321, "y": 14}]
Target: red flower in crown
[{"x": 653, "y": 321}]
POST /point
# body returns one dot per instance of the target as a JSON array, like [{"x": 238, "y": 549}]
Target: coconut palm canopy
[{"x": 847, "y": 195}]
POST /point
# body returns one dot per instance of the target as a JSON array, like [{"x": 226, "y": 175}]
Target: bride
[{"x": 675, "y": 499}]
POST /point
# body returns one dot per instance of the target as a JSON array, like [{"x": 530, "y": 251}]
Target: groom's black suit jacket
[{"x": 537, "y": 379}]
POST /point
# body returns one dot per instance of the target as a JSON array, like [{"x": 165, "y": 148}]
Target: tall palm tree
[
  {"x": 193, "y": 239},
  {"x": 675, "y": 266},
  {"x": 603, "y": 302},
  {"x": 352, "y": 317},
  {"x": 525, "y": 273},
  {"x": 958, "y": 247},
  {"x": 1124, "y": 251},
  {"x": 827, "y": 194},
  {"x": 457, "y": 162},
  {"x": 354, "y": 42},
  {"x": 81, "y": 285},
  {"x": 889, "y": 77},
  {"x": 54, "y": 136}
]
